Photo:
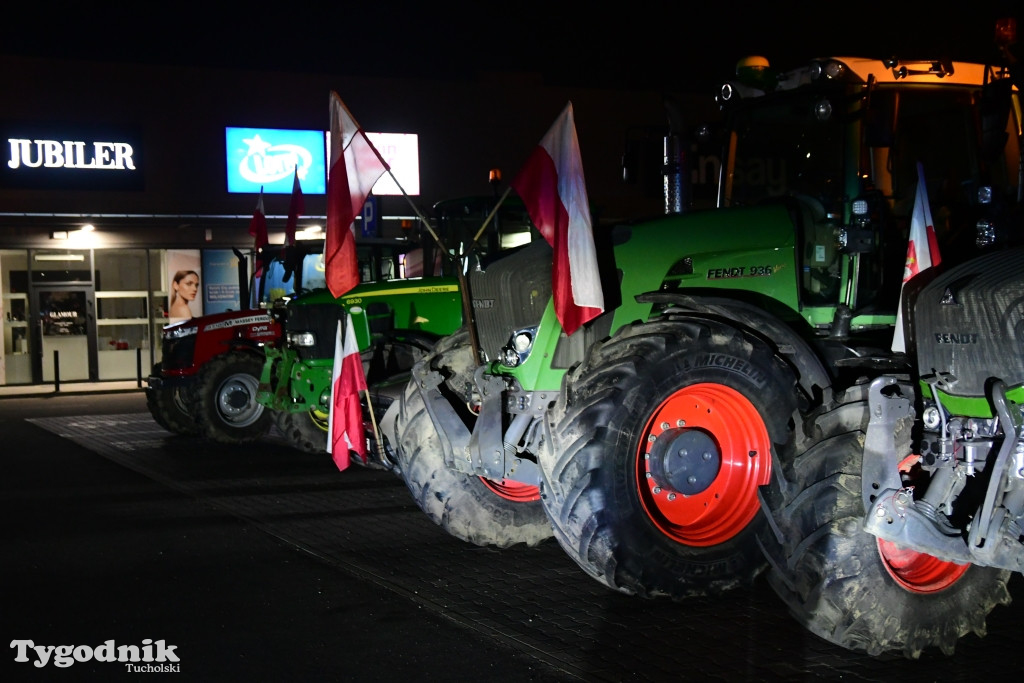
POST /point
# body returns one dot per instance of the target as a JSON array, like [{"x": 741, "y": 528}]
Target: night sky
[{"x": 675, "y": 45}]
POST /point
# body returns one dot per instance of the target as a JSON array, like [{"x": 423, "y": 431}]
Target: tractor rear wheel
[
  {"x": 472, "y": 508},
  {"x": 846, "y": 585},
  {"x": 226, "y": 407},
  {"x": 655, "y": 451},
  {"x": 170, "y": 406}
]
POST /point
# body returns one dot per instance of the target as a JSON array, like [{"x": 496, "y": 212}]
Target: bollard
[
  {"x": 138, "y": 367},
  {"x": 56, "y": 370}
]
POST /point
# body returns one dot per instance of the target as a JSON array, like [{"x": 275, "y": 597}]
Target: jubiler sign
[
  {"x": 69, "y": 157},
  {"x": 70, "y": 154}
]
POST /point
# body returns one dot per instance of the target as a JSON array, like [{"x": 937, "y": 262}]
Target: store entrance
[{"x": 65, "y": 318}]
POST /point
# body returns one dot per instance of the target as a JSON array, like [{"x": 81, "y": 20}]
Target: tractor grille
[
  {"x": 511, "y": 294},
  {"x": 322, "y": 321},
  {"x": 178, "y": 353},
  {"x": 969, "y": 321}
]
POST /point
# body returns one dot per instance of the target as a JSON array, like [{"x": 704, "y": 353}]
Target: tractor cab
[{"x": 842, "y": 143}]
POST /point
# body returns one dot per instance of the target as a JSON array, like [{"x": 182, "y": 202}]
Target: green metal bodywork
[
  {"x": 975, "y": 406},
  {"x": 294, "y": 384},
  {"x": 745, "y": 253}
]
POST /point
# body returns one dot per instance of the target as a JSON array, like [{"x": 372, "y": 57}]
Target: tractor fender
[{"x": 812, "y": 375}]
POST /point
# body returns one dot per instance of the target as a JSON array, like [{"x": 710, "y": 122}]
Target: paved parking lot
[{"x": 361, "y": 525}]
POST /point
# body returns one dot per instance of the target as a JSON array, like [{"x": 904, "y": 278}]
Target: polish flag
[
  {"x": 551, "y": 185},
  {"x": 922, "y": 250},
  {"x": 355, "y": 165},
  {"x": 295, "y": 209},
  {"x": 258, "y": 224},
  {"x": 345, "y": 421}
]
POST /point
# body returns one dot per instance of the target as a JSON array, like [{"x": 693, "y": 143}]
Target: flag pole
[
  {"x": 487, "y": 221},
  {"x": 467, "y": 305},
  {"x": 373, "y": 421},
  {"x": 405, "y": 194}
]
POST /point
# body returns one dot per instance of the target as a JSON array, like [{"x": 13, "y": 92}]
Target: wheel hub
[
  {"x": 236, "y": 401},
  {"x": 697, "y": 501},
  {"x": 685, "y": 461},
  {"x": 235, "y": 398}
]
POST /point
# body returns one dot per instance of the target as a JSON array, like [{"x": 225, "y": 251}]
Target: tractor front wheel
[
  {"x": 305, "y": 430},
  {"x": 655, "y": 451},
  {"x": 226, "y": 407},
  {"x": 846, "y": 585},
  {"x": 472, "y": 508}
]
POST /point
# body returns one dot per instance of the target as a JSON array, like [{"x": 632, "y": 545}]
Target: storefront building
[
  {"x": 113, "y": 179},
  {"x": 116, "y": 177}
]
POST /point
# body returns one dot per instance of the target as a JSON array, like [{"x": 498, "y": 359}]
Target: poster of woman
[{"x": 183, "y": 271}]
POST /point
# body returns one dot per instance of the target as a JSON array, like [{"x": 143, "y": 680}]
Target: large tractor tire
[
  {"x": 170, "y": 406},
  {"x": 655, "y": 451},
  {"x": 305, "y": 431},
  {"x": 846, "y": 585},
  {"x": 226, "y": 408},
  {"x": 471, "y": 508}
]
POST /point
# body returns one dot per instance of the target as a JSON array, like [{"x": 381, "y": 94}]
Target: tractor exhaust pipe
[{"x": 677, "y": 187}]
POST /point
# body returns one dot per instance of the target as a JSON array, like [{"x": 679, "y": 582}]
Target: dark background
[{"x": 675, "y": 45}]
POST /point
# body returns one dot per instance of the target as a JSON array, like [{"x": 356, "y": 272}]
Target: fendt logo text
[{"x": 150, "y": 656}]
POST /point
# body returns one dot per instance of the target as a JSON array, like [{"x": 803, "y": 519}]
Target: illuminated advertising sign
[
  {"x": 402, "y": 153},
  {"x": 265, "y": 157},
  {"x": 268, "y": 157},
  {"x": 80, "y": 157}
]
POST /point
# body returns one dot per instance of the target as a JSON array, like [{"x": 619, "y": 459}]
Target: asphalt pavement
[
  {"x": 94, "y": 551},
  {"x": 264, "y": 563}
]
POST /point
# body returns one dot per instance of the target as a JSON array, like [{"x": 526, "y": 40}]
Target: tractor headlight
[
  {"x": 302, "y": 339},
  {"x": 518, "y": 348},
  {"x": 180, "y": 332}
]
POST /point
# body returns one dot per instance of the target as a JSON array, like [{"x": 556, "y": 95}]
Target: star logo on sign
[{"x": 257, "y": 145}]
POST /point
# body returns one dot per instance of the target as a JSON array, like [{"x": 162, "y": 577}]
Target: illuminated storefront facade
[{"x": 116, "y": 177}]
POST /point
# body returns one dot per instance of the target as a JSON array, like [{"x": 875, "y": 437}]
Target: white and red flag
[
  {"x": 552, "y": 186},
  {"x": 922, "y": 250},
  {"x": 345, "y": 421},
  {"x": 354, "y": 168},
  {"x": 295, "y": 209},
  {"x": 258, "y": 224}
]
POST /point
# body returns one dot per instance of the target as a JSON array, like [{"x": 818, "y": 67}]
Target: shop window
[
  {"x": 14, "y": 315},
  {"x": 123, "y": 322}
]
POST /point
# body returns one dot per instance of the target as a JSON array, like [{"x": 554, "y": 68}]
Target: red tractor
[{"x": 206, "y": 382}]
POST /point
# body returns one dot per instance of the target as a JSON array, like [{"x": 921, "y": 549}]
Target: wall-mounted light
[
  {"x": 312, "y": 232},
  {"x": 59, "y": 257}
]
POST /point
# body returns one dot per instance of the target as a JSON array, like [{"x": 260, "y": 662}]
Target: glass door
[{"x": 66, "y": 323}]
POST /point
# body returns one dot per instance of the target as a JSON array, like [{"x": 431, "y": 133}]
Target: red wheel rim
[
  {"x": 918, "y": 572},
  {"x": 515, "y": 491},
  {"x": 729, "y": 503}
]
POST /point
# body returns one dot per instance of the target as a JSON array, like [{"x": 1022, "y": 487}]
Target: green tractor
[
  {"x": 408, "y": 300},
  {"x": 642, "y": 442},
  {"x": 898, "y": 520}
]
